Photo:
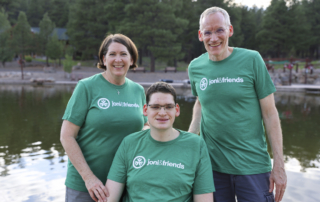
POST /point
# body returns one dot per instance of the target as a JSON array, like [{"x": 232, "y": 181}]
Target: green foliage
[
  {"x": 87, "y": 26},
  {"x": 46, "y": 28},
  {"x": 54, "y": 48},
  {"x": 35, "y": 11},
  {"x": 6, "y": 54},
  {"x": 155, "y": 27},
  {"x": 67, "y": 64},
  {"x": 59, "y": 12},
  {"x": 28, "y": 58},
  {"x": 22, "y": 38}
]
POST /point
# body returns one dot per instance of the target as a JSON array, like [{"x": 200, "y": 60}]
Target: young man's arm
[
  {"x": 115, "y": 190},
  {"x": 203, "y": 197},
  {"x": 273, "y": 128},
  {"x": 196, "y": 118}
]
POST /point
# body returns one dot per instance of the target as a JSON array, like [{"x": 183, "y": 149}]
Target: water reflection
[{"x": 33, "y": 162}]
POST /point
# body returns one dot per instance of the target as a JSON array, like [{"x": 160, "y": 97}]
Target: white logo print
[
  {"x": 103, "y": 103},
  {"x": 203, "y": 84},
  {"x": 138, "y": 162}
]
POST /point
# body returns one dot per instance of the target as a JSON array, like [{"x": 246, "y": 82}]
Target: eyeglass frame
[
  {"x": 215, "y": 32},
  {"x": 162, "y": 106}
]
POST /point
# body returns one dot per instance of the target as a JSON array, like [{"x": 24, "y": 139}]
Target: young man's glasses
[{"x": 157, "y": 107}]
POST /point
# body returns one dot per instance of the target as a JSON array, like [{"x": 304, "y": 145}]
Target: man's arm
[
  {"x": 203, "y": 197},
  {"x": 272, "y": 123},
  {"x": 115, "y": 190},
  {"x": 69, "y": 132},
  {"x": 196, "y": 118}
]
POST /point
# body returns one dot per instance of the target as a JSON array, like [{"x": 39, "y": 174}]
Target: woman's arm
[
  {"x": 115, "y": 189},
  {"x": 203, "y": 197},
  {"x": 69, "y": 132}
]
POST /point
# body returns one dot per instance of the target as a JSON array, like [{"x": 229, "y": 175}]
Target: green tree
[
  {"x": 54, "y": 48},
  {"x": 312, "y": 10},
  {"x": 35, "y": 11},
  {"x": 299, "y": 28},
  {"x": 22, "y": 35},
  {"x": 59, "y": 12},
  {"x": 6, "y": 53},
  {"x": 155, "y": 27},
  {"x": 274, "y": 34},
  {"x": 12, "y": 8},
  {"x": 87, "y": 26},
  {"x": 248, "y": 28},
  {"x": 46, "y": 28}
]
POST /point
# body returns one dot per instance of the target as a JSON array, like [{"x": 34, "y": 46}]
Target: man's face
[
  {"x": 161, "y": 111},
  {"x": 215, "y": 35}
]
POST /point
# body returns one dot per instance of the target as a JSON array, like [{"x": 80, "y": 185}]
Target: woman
[
  {"x": 163, "y": 163},
  {"x": 103, "y": 109}
]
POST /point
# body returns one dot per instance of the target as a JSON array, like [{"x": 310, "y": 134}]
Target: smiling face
[
  {"x": 217, "y": 43},
  {"x": 117, "y": 60},
  {"x": 162, "y": 119}
]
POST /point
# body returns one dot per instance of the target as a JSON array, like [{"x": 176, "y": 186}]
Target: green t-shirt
[
  {"x": 231, "y": 124},
  {"x": 106, "y": 113},
  {"x": 162, "y": 171}
]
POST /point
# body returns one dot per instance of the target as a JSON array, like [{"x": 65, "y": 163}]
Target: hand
[
  {"x": 97, "y": 190},
  {"x": 278, "y": 176}
]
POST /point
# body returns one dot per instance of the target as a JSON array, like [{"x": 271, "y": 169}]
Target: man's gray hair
[{"x": 214, "y": 10}]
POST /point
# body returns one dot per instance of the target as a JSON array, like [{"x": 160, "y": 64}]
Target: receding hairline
[{"x": 214, "y": 10}]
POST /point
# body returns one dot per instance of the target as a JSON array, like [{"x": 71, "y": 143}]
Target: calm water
[{"x": 33, "y": 163}]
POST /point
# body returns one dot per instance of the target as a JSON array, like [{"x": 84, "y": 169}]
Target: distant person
[
  {"x": 235, "y": 97},
  {"x": 102, "y": 110},
  {"x": 161, "y": 163}
]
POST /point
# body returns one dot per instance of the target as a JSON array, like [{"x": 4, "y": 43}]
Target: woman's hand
[{"x": 96, "y": 189}]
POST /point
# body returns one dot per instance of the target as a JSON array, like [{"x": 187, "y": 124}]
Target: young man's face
[
  {"x": 215, "y": 35},
  {"x": 161, "y": 111}
]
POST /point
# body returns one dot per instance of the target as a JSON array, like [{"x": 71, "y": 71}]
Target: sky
[{"x": 250, "y": 3}]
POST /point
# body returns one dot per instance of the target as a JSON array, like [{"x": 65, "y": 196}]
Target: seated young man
[{"x": 161, "y": 163}]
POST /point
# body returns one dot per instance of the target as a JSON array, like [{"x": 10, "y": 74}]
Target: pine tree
[
  {"x": 87, "y": 26},
  {"x": 6, "y": 53},
  {"x": 275, "y": 34},
  {"x": 155, "y": 27},
  {"x": 54, "y": 48},
  {"x": 59, "y": 12},
  {"x": 46, "y": 29},
  {"x": 22, "y": 35}
]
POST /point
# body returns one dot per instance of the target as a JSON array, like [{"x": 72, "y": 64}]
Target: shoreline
[{"x": 39, "y": 77}]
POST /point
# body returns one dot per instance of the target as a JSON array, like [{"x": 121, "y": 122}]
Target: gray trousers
[{"x": 77, "y": 196}]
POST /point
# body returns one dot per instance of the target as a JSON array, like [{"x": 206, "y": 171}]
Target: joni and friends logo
[
  {"x": 103, "y": 103},
  {"x": 203, "y": 83},
  {"x": 138, "y": 162}
]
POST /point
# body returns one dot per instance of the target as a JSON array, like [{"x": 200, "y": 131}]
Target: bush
[
  {"x": 67, "y": 64},
  {"x": 28, "y": 58}
]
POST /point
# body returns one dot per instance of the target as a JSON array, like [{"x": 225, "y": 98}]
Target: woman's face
[{"x": 117, "y": 60}]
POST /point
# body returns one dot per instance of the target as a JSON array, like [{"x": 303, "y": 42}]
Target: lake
[{"x": 33, "y": 163}]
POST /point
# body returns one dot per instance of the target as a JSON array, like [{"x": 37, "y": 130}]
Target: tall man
[{"x": 235, "y": 92}]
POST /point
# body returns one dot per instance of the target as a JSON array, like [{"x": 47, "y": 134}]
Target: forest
[{"x": 165, "y": 30}]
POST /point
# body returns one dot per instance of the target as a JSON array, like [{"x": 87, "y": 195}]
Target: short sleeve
[
  {"x": 143, "y": 98},
  {"x": 192, "y": 82},
  {"x": 263, "y": 83},
  {"x": 78, "y": 105},
  {"x": 203, "y": 182},
  {"x": 118, "y": 170}
]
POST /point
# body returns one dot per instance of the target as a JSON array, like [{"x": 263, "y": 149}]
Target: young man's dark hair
[{"x": 161, "y": 87}]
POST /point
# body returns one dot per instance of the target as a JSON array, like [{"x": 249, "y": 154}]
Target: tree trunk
[
  {"x": 152, "y": 62},
  {"x": 47, "y": 61},
  {"x": 140, "y": 58}
]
